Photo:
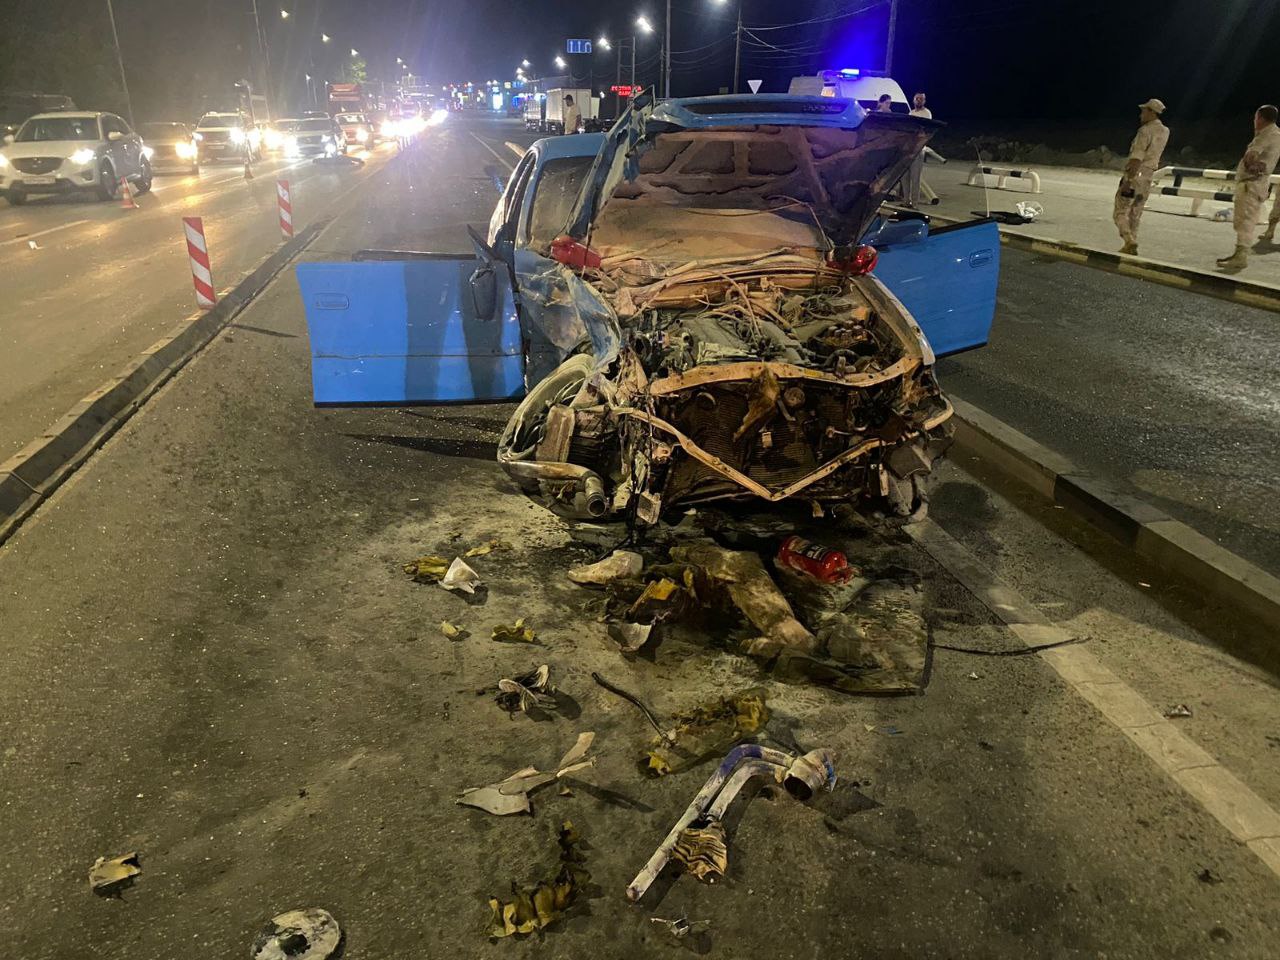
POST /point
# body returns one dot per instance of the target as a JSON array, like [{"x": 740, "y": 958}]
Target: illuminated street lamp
[
  {"x": 644, "y": 24},
  {"x": 325, "y": 38},
  {"x": 560, "y": 64},
  {"x": 737, "y": 43},
  {"x": 284, "y": 14},
  {"x": 603, "y": 44},
  {"x": 355, "y": 52},
  {"x": 526, "y": 64}
]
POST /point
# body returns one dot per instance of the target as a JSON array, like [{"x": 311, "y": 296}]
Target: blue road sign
[{"x": 577, "y": 46}]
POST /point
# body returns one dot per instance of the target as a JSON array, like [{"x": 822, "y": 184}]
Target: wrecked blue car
[{"x": 705, "y": 303}]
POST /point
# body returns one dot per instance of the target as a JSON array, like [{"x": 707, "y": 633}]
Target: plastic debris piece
[
  {"x": 298, "y": 935},
  {"x": 681, "y": 927},
  {"x": 460, "y": 576},
  {"x": 1178, "y": 711},
  {"x": 427, "y": 569},
  {"x": 32, "y": 245},
  {"x": 533, "y": 909},
  {"x": 703, "y": 852},
  {"x": 1030, "y": 210},
  {"x": 631, "y": 637},
  {"x": 529, "y": 690},
  {"x": 512, "y": 794},
  {"x": 974, "y": 676},
  {"x": 452, "y": 631},
  {"x": 518, "y": 632},
  {"x": 111, "y": 875},
  {"x": 618, "y": 565},
  {"x": 710, "y": 728}
]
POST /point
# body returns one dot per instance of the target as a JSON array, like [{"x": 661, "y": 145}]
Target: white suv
[{"x": 61, "y": 152}]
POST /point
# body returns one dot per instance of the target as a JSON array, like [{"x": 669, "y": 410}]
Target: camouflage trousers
[
  {"x": 1128, "y": 213},
  {"x": 1250, "y": 196}
]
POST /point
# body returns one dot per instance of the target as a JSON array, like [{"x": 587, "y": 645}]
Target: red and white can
[
  {"x": 198, "y": 254},
  {"x": 286, "y": 209}
]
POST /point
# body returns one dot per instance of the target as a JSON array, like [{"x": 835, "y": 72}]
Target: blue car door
[
  {"x": 947, "y": 282},
  {"x": 412, "y": 328}
]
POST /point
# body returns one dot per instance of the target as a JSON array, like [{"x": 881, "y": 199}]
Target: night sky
[{"x": 1049, "y": 59}]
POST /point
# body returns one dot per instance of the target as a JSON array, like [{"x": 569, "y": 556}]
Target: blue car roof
[{"x": 781, "y": 109}]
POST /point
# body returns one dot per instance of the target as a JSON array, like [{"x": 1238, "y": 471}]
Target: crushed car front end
[{"x": 733, "y": 341}]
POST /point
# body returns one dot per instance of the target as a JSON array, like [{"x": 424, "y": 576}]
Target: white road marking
[
  {"x": 1247, "y": 817},
  {"x": 31, "y": 236},
  {"x": 515, "y": 148},
  {"x": 500, "y": 158}
]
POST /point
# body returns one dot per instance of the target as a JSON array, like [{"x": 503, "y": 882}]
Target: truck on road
[{"x": 553, "y": 113}]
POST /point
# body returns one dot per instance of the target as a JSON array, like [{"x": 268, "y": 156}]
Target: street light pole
[
  {"x": 666, "y": 68},
  {"x": 128, "y": 101},
  {"x": 893, "y": 26},
  {"x": 737, "y": 49},
  {"x": 266, "y": 55}
]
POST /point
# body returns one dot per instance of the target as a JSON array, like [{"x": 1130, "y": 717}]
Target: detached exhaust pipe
[{"x": 589, "y": 501}]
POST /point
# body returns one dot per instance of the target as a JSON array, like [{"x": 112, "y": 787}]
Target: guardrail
[
  {"x": 1197, "y": 195},
  {"x": 1002, "y": 174}
]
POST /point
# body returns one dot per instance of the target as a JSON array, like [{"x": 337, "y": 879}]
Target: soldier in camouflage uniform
[
  {"x": 1144, "y": 160},
  {"x": 1253, "y": 182}
]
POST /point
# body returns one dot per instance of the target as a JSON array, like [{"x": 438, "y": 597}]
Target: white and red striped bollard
[
  {"x": 286, "y": 209},
  {"x": 198, "y": 253}
]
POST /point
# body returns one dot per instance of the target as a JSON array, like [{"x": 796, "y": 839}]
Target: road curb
[
  {"x": 34, "y": 472},
  {"x": 1146, "y": 530},
  {"x": 1250, "y": 293}
]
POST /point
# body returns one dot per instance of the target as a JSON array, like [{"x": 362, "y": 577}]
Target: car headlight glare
[
  {"x": 185, "y": 150},
  {"x": 148, "y": 152},
  {"x": 84, "y": 155},
  {"x": 362, "y": 136},
  {"x": 4, "y": 161},
  {"x": 272, "y": 139},
  {"x": 237, "y": 135}
]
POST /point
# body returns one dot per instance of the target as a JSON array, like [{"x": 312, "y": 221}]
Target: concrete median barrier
[{"x": 1141, "y": 527}]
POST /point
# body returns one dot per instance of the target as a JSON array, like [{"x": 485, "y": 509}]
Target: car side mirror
[{"x": 115, "y": 135}]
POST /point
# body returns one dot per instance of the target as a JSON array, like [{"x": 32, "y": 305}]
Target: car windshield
[
  {"x": 219, "y": 120},
  {"x": 162, "y": 131},
  {"x": 351, "y": 118},
  {"x": 558, "y": 188},
  {"x": 314, "y": 126},
  {"x": 58, "y": 128}
]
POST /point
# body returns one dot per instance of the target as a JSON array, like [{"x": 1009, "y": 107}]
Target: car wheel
[
  {"x": 16, "y": 196},
  {"x": 107, "y": 187},
  {"x": 144, "y": 178}
]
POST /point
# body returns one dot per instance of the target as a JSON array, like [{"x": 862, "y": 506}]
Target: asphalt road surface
[
  {"x": 213, "y": 658},
  {"x": 1172, "y": 395},
  {"x": 104, "y": 283}
]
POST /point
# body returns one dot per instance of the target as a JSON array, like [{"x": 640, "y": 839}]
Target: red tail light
[
  {"x": 574, "y": 253},
  {"x": 857, "y": 262}
]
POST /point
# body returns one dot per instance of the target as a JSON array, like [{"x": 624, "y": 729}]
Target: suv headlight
[
  {"x": 82, "y": 156},
  {"x": 185, "y": 149},
  {"x": 237, "y": 135}
]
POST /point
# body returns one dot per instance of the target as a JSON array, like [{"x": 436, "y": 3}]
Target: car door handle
[{"x": 979, "y": 258}]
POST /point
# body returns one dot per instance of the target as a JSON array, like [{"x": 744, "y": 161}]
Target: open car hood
[{"x": 806, "y": 159}]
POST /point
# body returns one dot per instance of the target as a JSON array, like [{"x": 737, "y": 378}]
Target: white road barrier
[
  {"x": 1197, "y": 195},
  {"x": 198, "y": 253},
  {"x": 1002, "y": 174}
]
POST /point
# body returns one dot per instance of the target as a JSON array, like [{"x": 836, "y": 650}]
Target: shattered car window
[{"x": 558, "y": 189}]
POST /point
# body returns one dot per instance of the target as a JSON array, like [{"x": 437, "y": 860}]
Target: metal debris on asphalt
[
  {"x": 460, "y": 576},
  {"x": 452, "y": 631},
  {"x": 681, "y": 927},
  {"x": 517, "y": 632},
  {"x": 311, "y": 934},
  {"x": 111, "y": 875},
  {"x": 527, "y": 691},
  {"x": 620, "y": 564},
  {"x": 533, "y": 909},
  {"x": 709, "y": 728},
  {"x": 1178, "y": 711},
  {"x": 512, "y": 794},
  {"x": 429, "y": 569},
  {"x": 801, "y": 777}
]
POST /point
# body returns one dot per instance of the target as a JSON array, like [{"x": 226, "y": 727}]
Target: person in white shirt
[
  {"x": 1135, "y": 184},
  {"x": 572, "y": 115},
  {"x": 918, "y": 109},
  {"x": 1253, "y": 181}
]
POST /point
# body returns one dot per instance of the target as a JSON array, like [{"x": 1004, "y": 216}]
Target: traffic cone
[
  {"x": 126, "y": 196},
  {"x": 248, "y": 171}
]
